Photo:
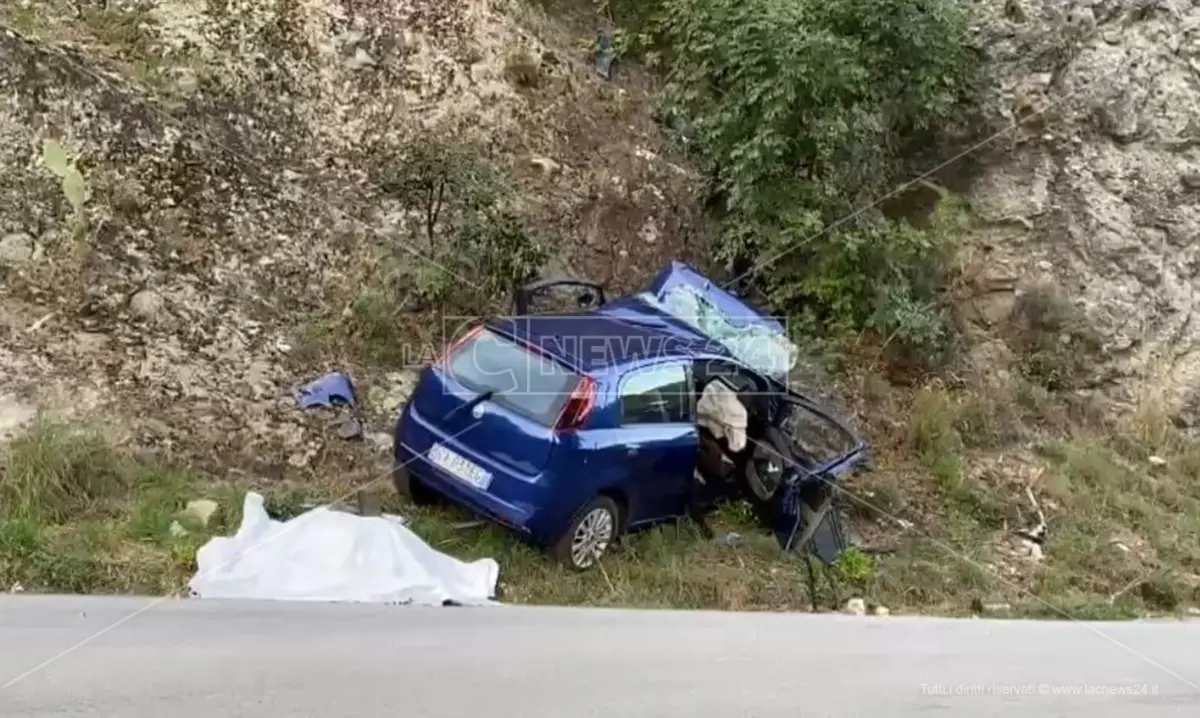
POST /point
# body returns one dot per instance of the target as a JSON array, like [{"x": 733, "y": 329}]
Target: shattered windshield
[{"x": 765, "y": 349}]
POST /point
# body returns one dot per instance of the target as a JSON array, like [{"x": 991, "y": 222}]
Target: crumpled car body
[{"x": 574, "y": 427}]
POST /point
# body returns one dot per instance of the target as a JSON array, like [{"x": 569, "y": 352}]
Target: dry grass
[
  {"x": 1055, "y": 345},
  {"x": 1121, "y": 500},
  {"x": 669, "y": 567},
  {"x": 81, "y": 514}
]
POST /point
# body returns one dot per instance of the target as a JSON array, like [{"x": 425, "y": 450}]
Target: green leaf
[
  {"x": 55, "y": 157},
  {"x": 75, "y": 188}
]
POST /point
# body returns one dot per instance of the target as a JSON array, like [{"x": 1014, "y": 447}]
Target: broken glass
[{"x": 760, "y": 347}]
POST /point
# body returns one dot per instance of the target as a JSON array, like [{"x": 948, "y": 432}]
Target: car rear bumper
[
  {"x": 524, "y": 518},
  {"x": 463, "y": 494}
]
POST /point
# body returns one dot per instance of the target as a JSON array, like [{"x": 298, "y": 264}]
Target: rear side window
[
  {"x": 522, "y": 380},
  {"x": 656, "y": 395}
]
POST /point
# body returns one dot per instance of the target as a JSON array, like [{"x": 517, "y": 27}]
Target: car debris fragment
[
  {"x": 978, "y": 607},
  {"x": 728, "y": 538},
  {"x": 1033, "y": 539},
  {"x": 334, "y": 390},
  {"x": 330, "y": 390}
]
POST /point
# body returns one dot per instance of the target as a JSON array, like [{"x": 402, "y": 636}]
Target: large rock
[
  {"x": 1097, "y": 191},
  {"x": 14, "y": 414},
  {"x": 15, "y": 249}
]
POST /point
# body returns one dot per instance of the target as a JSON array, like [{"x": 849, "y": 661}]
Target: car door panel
[
  {"x": 660, "y": 468},
  {"x": 654, "y": 441},
  {"x": 651, "y": 466}
]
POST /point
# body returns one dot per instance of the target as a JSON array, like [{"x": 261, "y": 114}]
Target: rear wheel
[
  {"x": 590, "y": 534},
  {"x": 411, "y": 488}
]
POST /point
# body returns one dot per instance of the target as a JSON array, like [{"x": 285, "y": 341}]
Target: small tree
[
  {"x": 442, "y": 181},
  {"x": 496, "y": 247},
  {"x": 462, "y": 201}
]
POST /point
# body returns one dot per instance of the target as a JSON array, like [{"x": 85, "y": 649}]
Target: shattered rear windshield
[
  {"x": 762, "y": 348},
  {"x": 521, "y": 380}
]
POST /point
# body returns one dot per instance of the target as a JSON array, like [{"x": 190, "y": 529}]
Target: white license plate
[{"x": 458, "y": 465}]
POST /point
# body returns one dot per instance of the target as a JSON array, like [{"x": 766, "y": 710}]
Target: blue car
[{"x": 573, "y": 428}]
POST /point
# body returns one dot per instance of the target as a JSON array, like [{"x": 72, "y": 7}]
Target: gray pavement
[{"x": 200, "y": 659}]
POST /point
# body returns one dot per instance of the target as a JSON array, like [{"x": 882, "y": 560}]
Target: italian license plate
[{"x": 454, "y": 463}]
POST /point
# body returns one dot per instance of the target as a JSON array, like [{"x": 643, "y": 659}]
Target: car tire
[
  {"x": 592, "y": 532},
  {"x": 767, "y": 462},
  {"x": 411, "y": 488}
]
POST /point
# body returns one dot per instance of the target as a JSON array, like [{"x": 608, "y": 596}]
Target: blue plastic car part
[
  {"x": 551, "y": 436},
  {"x": 328, "y": 390}
]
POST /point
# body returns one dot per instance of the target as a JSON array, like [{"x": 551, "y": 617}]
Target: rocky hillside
[
  {"x": 1096, "y": 197},
  {"x": 232, "y": 152},
  {"x": 231, "y": 212},
  {"x": 204, "y": 203}
]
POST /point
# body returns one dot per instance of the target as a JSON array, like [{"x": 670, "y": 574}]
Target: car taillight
[
  {"x": 579, "y": 405},
  {"x": 453, "y": 346}
]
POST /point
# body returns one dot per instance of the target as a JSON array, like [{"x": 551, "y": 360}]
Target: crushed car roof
[
  {"x": 682, "y": 314},
  {"x": 620, "y": 332}
]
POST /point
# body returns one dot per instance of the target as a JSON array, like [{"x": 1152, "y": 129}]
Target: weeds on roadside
[
  {"x": 1055, "y": 346},
  {"x": 78, "y": 513}
]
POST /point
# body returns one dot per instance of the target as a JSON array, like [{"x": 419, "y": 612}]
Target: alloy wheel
[{"x": 592, "y": 537}]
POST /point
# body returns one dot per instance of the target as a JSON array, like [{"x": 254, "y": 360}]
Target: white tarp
[{"x": 328, "y": 555}]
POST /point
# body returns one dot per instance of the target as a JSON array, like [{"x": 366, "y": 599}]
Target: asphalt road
[{"x": 199, "y": 659}]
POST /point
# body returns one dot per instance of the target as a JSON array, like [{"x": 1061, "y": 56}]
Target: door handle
[{"x": 632, "y": 449}]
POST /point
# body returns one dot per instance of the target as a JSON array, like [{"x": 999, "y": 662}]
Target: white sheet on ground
[
  {"x": 328, "y": 555},
  {"x": 720, "y": 411}
]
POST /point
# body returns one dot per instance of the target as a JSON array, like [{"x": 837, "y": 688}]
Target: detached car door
[
  {"x": 658, "y": 439},
  {"x": 821, "y": 451}
]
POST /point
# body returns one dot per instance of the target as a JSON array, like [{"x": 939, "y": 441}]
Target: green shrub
[
  {"x": 460, "y": 205},
  {"x": 57, "y": 472},
  {"x": 804, "y": 112},
  {"x": 1055, "y": 346}
]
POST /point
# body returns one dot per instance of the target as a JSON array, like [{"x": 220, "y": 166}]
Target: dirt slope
[{"x": 228, "y": 149}]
